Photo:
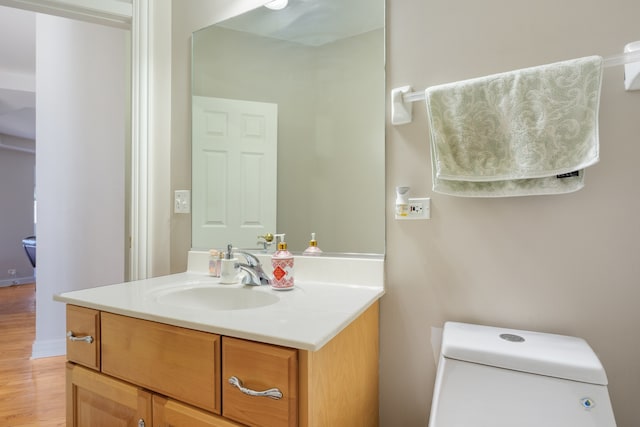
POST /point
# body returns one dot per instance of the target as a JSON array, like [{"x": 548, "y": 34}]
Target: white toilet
[{"x": 495, "y": 377}]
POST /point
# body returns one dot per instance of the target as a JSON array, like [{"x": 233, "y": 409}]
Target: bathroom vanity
[{"x": 156, "y": 352}]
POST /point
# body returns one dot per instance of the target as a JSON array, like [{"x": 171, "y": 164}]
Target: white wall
[
  {"x": 80, "y": 129},
  {"x": 17, "y": 180},
  {"x": 564, "y": 264}
]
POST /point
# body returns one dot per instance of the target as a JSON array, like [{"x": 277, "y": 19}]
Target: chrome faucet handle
[
  {"x": 252, "y": 260},
  {"x": 251, "y": 278},
  {"x": 265, "y": 241},
  {"x": 255, "y": 275}
]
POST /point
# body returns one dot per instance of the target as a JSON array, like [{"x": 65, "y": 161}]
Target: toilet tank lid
[{"x": 534, "y": 352}]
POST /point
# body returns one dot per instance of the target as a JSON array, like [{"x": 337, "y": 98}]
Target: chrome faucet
[
  {"x": 265, "y": 241},
  {"x": 255, "y": 274}
]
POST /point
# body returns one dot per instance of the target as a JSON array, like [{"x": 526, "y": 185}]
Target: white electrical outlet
[
  {"x": 419, "y": 208},
  {"x": 182, "y": 201}
]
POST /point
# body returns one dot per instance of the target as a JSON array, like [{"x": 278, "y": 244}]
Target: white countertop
[{"x": 306, "y": 317}]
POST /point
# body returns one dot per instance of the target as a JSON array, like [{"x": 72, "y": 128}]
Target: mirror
[{"x": 288, "y": 127}]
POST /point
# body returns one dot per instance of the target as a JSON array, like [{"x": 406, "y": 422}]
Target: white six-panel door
[{"x": 234, "y": 161}]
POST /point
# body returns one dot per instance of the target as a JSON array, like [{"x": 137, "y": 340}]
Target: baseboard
[
  {"x": 17, "y": 281},
  {"x": 48, "y": 348}
]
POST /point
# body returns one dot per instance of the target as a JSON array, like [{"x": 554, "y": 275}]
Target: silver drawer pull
[
  {"x": 273, "y": 393},
  {"x": 87, "y": 339}
]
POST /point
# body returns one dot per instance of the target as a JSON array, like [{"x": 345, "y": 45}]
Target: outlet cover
[{"x": 419, "y": 208}]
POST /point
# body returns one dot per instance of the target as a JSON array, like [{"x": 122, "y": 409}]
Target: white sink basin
[{"x": 216, "y": 298}]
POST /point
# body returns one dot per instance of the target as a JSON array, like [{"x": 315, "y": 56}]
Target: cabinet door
[
  {"x": 259, "y": 367},
  {"x": 83, "y": 336},
  {"x": 169, "y": 413},
  {"x": 96, "y": 400}
]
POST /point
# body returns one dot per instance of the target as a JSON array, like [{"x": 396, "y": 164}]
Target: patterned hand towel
[{"x": 524, "y": 132}]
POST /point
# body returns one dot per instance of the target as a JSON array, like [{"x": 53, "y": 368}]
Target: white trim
[
  {"x": 16, "y": 148},
  {"x": 48, "y": 348},
  {"x": 140, "y": 137},
  {"x": 22, "y": 81},
  {"x": 17, "y": 281},
  {"x": 158, "y": 152},
  {"x": 133, "y": 15},
  {"x": 114, "y": 13}
]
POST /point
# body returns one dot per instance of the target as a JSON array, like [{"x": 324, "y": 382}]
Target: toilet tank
[{"x": 495, "y": 377}]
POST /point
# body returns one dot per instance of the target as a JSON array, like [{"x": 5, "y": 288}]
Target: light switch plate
[{"x": 182, "y": 201}]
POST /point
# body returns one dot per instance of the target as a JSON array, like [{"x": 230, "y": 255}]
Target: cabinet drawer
[
  {"x": 83, "y": 336},
  {"x": 170, "y": 413},
  {"x": 177, "y": 362},
  {"x": 259, "y": 367}
]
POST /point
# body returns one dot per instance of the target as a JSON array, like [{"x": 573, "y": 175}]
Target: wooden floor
[{"x": 31, "y": 391}]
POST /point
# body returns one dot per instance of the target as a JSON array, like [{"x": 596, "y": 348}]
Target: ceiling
[
  {"x": 17, "y": 72},
  {"x": 339, "y": 18},
  {"x": 311, "y": 22}
]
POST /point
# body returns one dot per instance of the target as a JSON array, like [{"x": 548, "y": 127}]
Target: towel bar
[{"x": 402, "y": 98}]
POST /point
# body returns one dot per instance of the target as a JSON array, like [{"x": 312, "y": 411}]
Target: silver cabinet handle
[
  {"x": 273, "y": 393},
  {"x": 87, "y": 339}
]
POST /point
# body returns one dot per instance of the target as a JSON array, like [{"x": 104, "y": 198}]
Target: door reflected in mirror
[{"x": 288, "y": 127}]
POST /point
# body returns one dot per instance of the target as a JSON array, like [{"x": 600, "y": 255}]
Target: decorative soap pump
[
  {"x": 313, "y": 248},
  {"x": 282, "y": 263},
  {"x": 215, "y": 258}
]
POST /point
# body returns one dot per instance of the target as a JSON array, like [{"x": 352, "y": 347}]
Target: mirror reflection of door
[{"x": 234, "y": 162}]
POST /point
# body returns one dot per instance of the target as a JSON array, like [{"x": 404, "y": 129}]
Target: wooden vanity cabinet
[
  {"x": 260, "y": 367},
  {"x": 170, "y": 413},
  {"x": 97, "y": 400},
  {"x": 173, "y": 361},
  {"x": 167, "y": 376},
  {"x": 83, "y": 336}
]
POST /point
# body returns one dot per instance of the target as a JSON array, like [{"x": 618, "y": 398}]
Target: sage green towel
[{"x": 524, "y": 132}]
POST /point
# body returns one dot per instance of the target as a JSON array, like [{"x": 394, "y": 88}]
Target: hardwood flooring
[{"x": 31, "y": 391}]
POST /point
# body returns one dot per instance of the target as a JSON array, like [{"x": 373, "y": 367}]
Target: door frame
[{"x": 134, "y": 16}]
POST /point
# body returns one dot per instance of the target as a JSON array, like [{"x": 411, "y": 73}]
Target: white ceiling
[
  {"x": 337, "y": 18},
  {"x": 17, "y": 72},
  {"x": 311, "y": 22}
]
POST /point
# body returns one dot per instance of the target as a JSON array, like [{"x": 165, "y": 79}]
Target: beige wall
[
  {"x": 565, "y": 264},
  {"x": 184, "y": 21}
]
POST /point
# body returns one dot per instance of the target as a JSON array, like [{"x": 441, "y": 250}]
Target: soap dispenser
[
  {"x": 402, "y": 204},
  {"x": 215, "y": 259},
  {"x": 313, "y": 248},
  {"x": 282, "y": 263},
  {"x": 228, "y": 269}
]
